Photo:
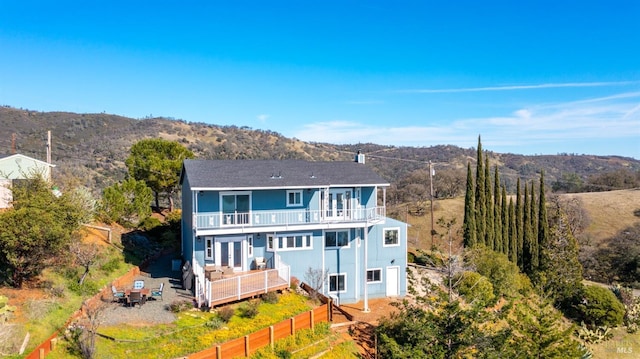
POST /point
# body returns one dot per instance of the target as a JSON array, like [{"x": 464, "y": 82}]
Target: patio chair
[
  {"x": 118, "y": 296},
  {"x": 158, "y": 292},
  {"x": 133, "y": 298},
  {"x": 138, "y": 284},
  {"x": 260, "y": 263}
]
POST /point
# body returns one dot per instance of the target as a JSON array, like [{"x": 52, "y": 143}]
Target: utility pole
[
  {"x": 13, "y": 143},
  {"x": 49, "y": 154},
  {"x": 433, "y": 229}
]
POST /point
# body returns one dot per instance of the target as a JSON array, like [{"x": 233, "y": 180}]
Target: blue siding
[
  {"x": 348, "y": 260},
  {"x": 187, "y": 220}
]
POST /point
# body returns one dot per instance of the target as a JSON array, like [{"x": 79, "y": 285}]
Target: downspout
[{"x": 194, "y": 224}]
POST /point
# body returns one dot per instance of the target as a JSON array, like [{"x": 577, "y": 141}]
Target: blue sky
[{"x": 530, "y": 77}]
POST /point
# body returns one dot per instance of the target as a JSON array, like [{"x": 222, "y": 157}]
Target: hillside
[
  {"x": 609, "y": 213},
  {"x": 92, "y": 148}
]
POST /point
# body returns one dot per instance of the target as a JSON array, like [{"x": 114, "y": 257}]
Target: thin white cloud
[
  {"x": 263, "y": 118},
  {"x": 522, "y": 87},
  {"x": 573, "y": 127}
]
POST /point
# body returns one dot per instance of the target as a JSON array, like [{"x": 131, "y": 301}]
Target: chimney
[{"x": 359, "y": 157}]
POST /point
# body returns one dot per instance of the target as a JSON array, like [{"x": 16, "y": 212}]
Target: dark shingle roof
[{"x": 225, "y": 174}]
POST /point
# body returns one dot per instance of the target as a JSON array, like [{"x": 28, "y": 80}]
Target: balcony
[{"x": 285, "y": 218}]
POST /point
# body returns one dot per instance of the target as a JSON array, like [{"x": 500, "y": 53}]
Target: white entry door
[{"x": 393, "y": 280}]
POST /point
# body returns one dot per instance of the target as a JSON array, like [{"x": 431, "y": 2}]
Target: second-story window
[
  {"x": 391, "y": 237},
  {"x": 294, "y": 198},
  {"x": 336, "y": 239}
]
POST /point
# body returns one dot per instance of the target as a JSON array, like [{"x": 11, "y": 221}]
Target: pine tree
[
  {"x": 480, "y": 202},
  {"x": 469, "y": 224},
  {"x": 562, "y": 275},
  {"x": 538, "y": 330},
  {"x": 488, "y": 197},
  {"x": 497, "y": 213}
]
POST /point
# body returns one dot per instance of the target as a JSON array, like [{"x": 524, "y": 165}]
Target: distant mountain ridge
[{"x": 93, "y": 147}]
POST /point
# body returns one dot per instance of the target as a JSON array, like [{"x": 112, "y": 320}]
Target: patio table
[{"x": 144, "y": 292}]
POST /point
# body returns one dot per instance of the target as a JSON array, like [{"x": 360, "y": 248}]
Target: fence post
[
  {"x": 271, "y": 337},
  {"x": 41, "y": 353},
  {"x": 246, "y": 345},
  {"x": 218, "y": 352},
  {"x": 330, "y": 310},
  {"x": 313, "y": 319},
  {"x": 293, "y": 325}
]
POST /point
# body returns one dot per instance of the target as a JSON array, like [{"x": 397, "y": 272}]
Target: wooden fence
[
  {"x": 249, "y": 344},
  {"x": 48, "y": 345}
]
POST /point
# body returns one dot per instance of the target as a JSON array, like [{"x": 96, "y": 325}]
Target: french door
[
  {"x": 235, "y": 208},
  {"x": 230, "y": 252},
  {"x": 338, "y": 203}
]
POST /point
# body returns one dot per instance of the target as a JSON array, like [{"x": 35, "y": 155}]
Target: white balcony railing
[{"x": 215, "y": 220}]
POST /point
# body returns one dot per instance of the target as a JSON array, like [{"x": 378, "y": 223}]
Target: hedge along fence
[
  {"x": 249, "y": 344},
  {"x": 48, "y": 345}
]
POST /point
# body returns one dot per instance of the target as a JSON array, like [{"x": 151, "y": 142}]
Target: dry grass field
[{"x": 610, "y": 212}]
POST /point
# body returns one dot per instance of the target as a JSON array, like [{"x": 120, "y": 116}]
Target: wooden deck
[{"x": 242, "y": 286}]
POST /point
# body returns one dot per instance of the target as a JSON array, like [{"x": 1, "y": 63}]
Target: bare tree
[
  {"x": 83, "y": 333},
  {"x": 316, "y": 278},
  {"x": 85, "y": 255}
]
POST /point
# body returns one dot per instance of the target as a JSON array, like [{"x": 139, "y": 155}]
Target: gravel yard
[{"x": 154, "y": 311}]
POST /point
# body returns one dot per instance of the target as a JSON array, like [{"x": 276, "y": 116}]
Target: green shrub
[
  {"x": 597, "y": 306},
  {"x": 501, "y": 272},
  {"x": 270, "y": 297},
  {"x": 86, "y": 288},
  {"x": 178, "y": 306},
  {"x": 475, "y": 288},
  {"x": 215, "y": 323},
  {"x": 225, "y": 313},
  {"x": 250, "y": 309},
  {"x": 149, "y": 223},
  {"x": 111, "y": 265}
]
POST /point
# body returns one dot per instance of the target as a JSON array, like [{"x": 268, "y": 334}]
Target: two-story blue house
[{"x": 248, "y": 226}]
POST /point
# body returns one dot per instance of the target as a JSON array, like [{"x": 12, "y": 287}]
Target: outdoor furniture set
[{"x": 138, "y": 294}]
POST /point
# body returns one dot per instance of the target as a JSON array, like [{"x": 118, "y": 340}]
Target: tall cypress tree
[
  {"x": 543, "y": 224},
  {"x": 480, "y": 201},
  {"x": 488, "y": 197},
  {"x": 519, "y": 226},
  {"x": 513, "y": 233},
  {"x": 527, "y": 234},
  {"x": 533, "y": 219},
  {"x": 506, "y": 242},
  {"x": 497, "y": 213},
  {"x": 469, "y": 224}
]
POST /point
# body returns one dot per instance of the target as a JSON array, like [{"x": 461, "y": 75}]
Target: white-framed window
[
  {"x": 290, "y": 242},
  {"x": 294, "y": 198},
  {"x": 208, "y": 248},
  {"x": 374, "y": 275},
  {"x": 250, "y": 246},
  {"x": 336, "y": 239},
  {"x": 391, "y": 237},
  {"x": 337, "y": 283},
  {"x": 270, "y": 241}
]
